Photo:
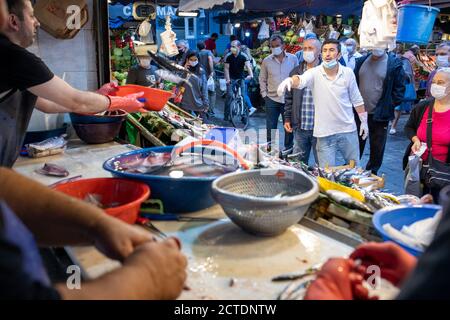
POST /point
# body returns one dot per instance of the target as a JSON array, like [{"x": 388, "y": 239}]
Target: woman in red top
[{"x": 416, "y": 128}]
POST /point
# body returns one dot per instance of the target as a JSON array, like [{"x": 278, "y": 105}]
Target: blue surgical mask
[{"x": 330, "y": 65}]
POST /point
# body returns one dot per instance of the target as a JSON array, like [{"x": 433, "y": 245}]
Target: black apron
[{"x": 16, "y": 109}]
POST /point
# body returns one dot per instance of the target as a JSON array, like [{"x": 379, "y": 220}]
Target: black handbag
[{"x": 437, "y": 174}]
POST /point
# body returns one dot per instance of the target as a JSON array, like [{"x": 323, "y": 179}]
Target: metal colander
[{"x": 265, "y": 202}]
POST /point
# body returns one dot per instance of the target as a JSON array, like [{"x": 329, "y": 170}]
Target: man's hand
[
  {"x": 287, "y": 127},
  {"x": 337, "y": 280},
  {"x": 128, "y": 103},
  {"x": 285, "y": 85},
  {"x": 364, "y": 129},
  {"x": 395, "y": 263},
  {"x": 108, "y": 89},
  {"x": 116, "y": 239},
  {"x": 162, "y": 267}
]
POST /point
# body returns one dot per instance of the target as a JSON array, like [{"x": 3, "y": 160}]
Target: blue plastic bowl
[
  {"x": 400, "y": 216},
  {"x": 184, "y": 195}
]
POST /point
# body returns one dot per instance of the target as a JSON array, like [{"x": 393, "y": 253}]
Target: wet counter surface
[{"x": 224, "y": 262}]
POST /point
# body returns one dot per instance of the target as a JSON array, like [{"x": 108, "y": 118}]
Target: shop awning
[{"x": 329, "y": 7}]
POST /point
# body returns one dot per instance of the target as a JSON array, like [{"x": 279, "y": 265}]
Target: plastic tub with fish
[{"x": 180, "y": 177}]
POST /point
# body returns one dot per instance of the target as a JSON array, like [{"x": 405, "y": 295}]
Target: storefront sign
[{"x": 162, "y": 12}]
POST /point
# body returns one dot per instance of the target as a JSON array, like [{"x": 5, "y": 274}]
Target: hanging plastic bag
[
  {"x": 264, "y": 31},
  {"x": 229, "y": 30},
  {"x": 211, "y": 84},
  {"x": 223, "y": 85},
  {"x": 412, "y": 177},
  {"x": 168, "y": 38}
]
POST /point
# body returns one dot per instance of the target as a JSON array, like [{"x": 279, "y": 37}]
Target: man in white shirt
[
  {"x": 274, "y": 69},
  {"x": 352, "y": 54},
  {"x": 335, "y": 94}
]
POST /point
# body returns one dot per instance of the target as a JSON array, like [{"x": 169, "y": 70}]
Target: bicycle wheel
[{"x": 239, "y": 114}]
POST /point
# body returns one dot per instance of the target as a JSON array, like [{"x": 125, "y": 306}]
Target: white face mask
[
  {"x": 277, "y": 51},
  {"x": 193, "y": 63},
  {"x": 309, "y": 56},
  {"x": 330, "y": 65},
  {"x": 442, "y": 61},
  {"x": 378, "y": 52},
  {"x": 234, "y": 50},
  {"x": 438, "y": 92}
]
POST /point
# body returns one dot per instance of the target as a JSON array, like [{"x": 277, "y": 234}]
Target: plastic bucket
[
  {"x": 155, "y": 99},
  {"x": 400, "y": 216},
  {"x": 184, "y": 195},
  {"x": 127, "y": 195},
  {"x": 415, "y": 23}
]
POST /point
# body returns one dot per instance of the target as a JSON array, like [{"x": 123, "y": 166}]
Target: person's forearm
[
  {"x": 227, "y": 74},
  {"x": 62, "y": 94},
  {"x": 122, "y": 284},
  {"x": 415, "y": 139},
  {"x": 47, "y": 106},
  {"x": 89, "y": 102},
  {"x": 360, "y": 109},
  {"x": 54, "y": 218}
]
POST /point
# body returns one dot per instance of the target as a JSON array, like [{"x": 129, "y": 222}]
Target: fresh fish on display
[
  {"x": 50, "y": 169},
  {"x": 292, "y": 277},
  {"x": 47, "y": 147},
  {"x": 348, "y": 201},
  {"x": 96, "y": 200}
]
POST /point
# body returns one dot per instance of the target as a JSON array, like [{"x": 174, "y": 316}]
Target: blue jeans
[
  {"x": 304, "y": 141},
  {"x": 247, "y": 100},
  {"x": 273, "y": 111},
  {"x": 345, "y": 143},
  {"x": 229, "y": 98}
]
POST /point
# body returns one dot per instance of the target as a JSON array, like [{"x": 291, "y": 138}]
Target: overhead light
[
  {"x": 247, "y": 34},
  {"x": 190, "y": 14},
  {"x": 339, "y": 16},
  {"x": 237, "y": 25}
]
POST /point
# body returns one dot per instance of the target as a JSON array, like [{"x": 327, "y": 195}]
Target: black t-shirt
[
  {"x": 20, "y": 70},
  {"x": 237, "y": 65}
]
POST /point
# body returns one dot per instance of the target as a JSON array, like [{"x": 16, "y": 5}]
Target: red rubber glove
[
  {"x": 395, "y": 263},
  {"x": 128, "y": 103},
  {"x": 337, "y": 280},
  {"x": 108, "y": 89}
]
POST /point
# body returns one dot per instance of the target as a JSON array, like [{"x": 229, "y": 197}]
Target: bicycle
[{"x": 239, "y": 112}]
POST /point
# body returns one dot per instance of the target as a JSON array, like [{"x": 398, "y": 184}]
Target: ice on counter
[{"x": 418, "y": 235}]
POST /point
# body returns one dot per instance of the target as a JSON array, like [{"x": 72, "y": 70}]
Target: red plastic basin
[
  {"x": 125, "y": 195},
  {"x": 156, "y": 98}
]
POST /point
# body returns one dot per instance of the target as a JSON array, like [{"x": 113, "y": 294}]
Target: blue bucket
[
  {"x": 184, "y": 195},
  {"x": 415, "y": 23},
  {"x": 400, "y": 216}
]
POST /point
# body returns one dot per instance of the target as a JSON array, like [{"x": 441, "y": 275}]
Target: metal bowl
[{"x": 250, "y": 198}]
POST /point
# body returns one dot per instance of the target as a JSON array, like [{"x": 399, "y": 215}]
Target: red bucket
[
  {"x": 156, "y": 98},
  {"x": 121, "y": 197}
]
